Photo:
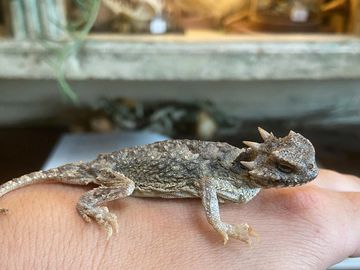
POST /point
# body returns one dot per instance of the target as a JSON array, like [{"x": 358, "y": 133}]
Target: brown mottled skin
[{"x": 212, "y": 171}]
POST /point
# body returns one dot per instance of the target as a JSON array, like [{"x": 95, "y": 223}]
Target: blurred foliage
[{"x": 77, "y": 31}]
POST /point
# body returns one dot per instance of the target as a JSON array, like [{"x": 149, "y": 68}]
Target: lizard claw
[
  {"x": 107, "y": 220},
  {"x": 252, "y": 232},
  {"x": 104, "y": 218}
]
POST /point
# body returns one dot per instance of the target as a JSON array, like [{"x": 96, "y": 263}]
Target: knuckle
[{"x": 303, "y": 201}]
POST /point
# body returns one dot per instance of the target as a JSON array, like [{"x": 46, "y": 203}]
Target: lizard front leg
[
  {"x": 114, "y": 186},
  {"x": 208, "y": 192}
]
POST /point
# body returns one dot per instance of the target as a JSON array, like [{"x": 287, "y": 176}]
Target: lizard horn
[
  {"x": 264, "y": 134},
  {"x": 248, "y": 164},
  {"x": 253, "y": 145}
]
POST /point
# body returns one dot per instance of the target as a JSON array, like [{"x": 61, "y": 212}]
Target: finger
[
  {"x": 349, "y": 186},
  {"x": 338, "y": 182},
  {"x": 354, "y": 221}
]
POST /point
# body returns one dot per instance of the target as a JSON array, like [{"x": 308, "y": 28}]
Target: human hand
[{"x": 308, "y": 227}]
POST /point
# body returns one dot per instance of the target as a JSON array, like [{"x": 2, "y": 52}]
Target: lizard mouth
[
  {"x": 260, "y": 182},
  {"x": 270, "y": 183}
]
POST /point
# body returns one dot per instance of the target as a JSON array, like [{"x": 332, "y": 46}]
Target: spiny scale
[
  {"x": 264, "y": 134},
  {"x": 253, "y": 145},
  {"x": 248, "y": 164}
]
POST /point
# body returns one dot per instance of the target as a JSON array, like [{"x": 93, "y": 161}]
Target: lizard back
[{"x": 171, "y": 168}]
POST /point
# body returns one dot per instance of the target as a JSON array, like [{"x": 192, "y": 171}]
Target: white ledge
[{"x": 200, "y": 57}]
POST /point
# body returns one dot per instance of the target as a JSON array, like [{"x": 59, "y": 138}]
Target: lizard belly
[{"x": 166, "y": 191}]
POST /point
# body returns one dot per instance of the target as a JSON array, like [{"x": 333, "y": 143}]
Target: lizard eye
[{"x": 283, "y": 167}]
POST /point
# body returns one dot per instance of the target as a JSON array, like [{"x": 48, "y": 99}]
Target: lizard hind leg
[{"x": 89, "y": 203}]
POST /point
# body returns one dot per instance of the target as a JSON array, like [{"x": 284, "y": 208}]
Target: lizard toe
[
  {"x": 107, "y": 220},
  {"x": 242, "y": 232},
  {"x": 103, "y": 217}
]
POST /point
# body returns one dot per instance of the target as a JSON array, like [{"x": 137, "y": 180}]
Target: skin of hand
[{"x": 308, "y": 227}]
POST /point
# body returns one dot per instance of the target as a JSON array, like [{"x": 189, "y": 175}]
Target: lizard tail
[
  {"x": 64, "y": 174},
  {"x": 27, "y": 179}
]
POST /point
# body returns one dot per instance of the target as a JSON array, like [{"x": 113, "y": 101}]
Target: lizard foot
[
  {"x": 241, "y": 232},
  {"x": 103, "y": 217}
]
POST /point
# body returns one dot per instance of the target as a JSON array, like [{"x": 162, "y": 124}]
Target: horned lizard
[{"x": 213, "y": 171}]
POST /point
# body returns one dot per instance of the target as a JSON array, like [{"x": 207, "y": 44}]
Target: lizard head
[{"x": 280, "y": 162}]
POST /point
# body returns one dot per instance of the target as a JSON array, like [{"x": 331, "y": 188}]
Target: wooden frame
[{"x": 354, "y": 22}]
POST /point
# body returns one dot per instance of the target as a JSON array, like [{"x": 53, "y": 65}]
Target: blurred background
[{"x": 201, "y": 69}]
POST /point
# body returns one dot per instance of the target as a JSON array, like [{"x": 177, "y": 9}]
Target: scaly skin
[{"x": 212, "y": 171}]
